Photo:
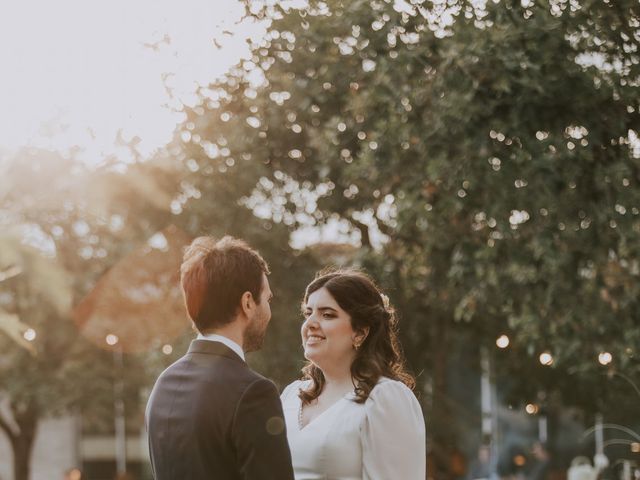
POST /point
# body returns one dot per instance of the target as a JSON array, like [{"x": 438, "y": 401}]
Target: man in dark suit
[{"x": 209, "y": 416}]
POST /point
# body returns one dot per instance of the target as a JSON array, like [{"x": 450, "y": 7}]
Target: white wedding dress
[{"x": 382, "y": 439}]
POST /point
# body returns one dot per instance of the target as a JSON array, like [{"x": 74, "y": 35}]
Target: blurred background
[{"x": 479, "y": 158}]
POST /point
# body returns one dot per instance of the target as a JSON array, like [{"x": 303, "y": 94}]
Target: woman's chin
[{"x": 312, "y": 354}]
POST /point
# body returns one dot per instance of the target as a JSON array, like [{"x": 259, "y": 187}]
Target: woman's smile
[{"x": 314, "y": 339}]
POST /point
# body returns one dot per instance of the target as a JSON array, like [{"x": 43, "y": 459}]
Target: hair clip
[{"x": 385, "y": 300}]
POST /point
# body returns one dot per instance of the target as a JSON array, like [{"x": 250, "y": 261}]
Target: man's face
[{"x": 257, "y": 328}]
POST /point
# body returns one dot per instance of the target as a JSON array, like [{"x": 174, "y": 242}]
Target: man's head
[{"x": 225, "y": 281}]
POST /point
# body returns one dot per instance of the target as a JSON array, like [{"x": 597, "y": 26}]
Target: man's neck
[{"x": 233, "y": 331}]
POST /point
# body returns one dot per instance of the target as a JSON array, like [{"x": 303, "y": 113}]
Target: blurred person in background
[
  {"x": 480, "y": 467},
  {"x": 581, "y": 469},
  {"x": 541, "y": 465},
  {"x": 512, "y": 464}
]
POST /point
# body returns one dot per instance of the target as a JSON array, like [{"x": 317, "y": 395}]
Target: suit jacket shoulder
[{"x": 209, "y": 412}]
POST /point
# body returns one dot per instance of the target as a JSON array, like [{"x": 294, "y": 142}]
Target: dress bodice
[{"x": 381, "y": 439}]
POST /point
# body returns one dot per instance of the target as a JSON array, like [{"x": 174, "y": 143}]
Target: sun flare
[{"x": 83, "y": 74}]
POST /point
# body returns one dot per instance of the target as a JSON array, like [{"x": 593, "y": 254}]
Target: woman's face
[{"x": 327, "y": 335}]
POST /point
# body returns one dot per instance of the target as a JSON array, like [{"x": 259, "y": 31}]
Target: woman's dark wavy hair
[{"x": 380, "y": 353}]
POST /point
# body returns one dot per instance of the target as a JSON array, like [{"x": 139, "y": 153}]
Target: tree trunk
[
  {"x": 22, "y": 441},
  {"x": 443, "y": 426},
  {"x": 22, "y": 447}
]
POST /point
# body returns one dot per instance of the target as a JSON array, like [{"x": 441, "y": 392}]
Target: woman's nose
[{"x": 310, "y": 322}]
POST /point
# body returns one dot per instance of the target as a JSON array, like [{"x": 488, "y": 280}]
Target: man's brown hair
[{"x": 214, "y": 276}]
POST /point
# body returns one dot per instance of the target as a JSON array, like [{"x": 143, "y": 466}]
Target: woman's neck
[{"x": 338, "y": 381}]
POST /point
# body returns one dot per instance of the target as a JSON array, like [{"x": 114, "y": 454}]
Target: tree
[
  {"x": 40, "y": 293},
  {"x": 63, "y": 226},
  {"x": 493, "y": 146}
]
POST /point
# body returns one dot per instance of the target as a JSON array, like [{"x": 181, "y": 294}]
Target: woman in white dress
[{"x": 353, "y": 416}]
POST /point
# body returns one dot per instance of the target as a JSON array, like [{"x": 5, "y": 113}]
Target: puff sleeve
[{"x": 393, "y": 434}]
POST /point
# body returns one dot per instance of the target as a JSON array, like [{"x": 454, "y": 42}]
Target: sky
[{"x": 75, "y": 73}]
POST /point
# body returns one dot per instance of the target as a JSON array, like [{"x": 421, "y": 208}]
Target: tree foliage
[{"x": 492, "y": 146}]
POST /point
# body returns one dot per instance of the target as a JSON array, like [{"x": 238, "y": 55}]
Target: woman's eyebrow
[{"x": 321, "y": 308}]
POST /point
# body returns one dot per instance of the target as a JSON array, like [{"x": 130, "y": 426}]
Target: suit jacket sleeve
[{"x": 260, "y": 436}]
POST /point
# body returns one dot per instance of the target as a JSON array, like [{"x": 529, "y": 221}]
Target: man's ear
[{"x": 247, "y": 303}]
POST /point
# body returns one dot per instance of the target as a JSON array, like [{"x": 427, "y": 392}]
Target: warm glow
[
  {"x": 75, "y": 474},
  {"x": 112, "y": 339},
  {"x": 546, "y": 359},
  {"x": 635, "y": 447},
  {"x": 502, "y": 341},
  {"x": 77, "y": 73},
  {"x": 605, "y": 358},
  {"x": 167, "y": 349},
  {"x": 519, "y": 460}
]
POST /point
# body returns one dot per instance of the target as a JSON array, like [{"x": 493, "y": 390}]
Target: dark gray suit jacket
[{"x": 210, "y": 417}]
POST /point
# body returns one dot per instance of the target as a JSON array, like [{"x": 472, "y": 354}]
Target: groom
[{"x": 209, "y": 416}]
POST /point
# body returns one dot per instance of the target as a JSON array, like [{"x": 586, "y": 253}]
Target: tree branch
[
  {"x": 6, "y": 427},
  {"x": 364, "y": 232}
]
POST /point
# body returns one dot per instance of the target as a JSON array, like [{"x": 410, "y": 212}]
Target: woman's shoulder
[
  {"x": 387, "y": 384},
  {"x": 391, "y": 390},
  {"x": 291, "y": 390},
  {"x": 392, "y": 400}
]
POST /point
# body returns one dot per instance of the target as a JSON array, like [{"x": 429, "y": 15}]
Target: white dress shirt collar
[{"x": 222, "y": 339}]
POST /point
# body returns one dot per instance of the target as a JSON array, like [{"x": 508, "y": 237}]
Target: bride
[{"x": 353, "y": 415}]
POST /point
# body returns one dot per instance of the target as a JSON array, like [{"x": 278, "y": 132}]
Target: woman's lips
[{"x": 314, "y": 339}]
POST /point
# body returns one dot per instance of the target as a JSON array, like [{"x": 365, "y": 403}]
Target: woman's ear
[{"x": 360, "y": 336}]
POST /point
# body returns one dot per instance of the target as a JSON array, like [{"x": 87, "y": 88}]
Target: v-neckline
[{"x": 330, "y": 407}]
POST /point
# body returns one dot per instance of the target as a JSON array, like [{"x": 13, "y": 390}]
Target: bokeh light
[
  {"x": 167, "y": 349},
  {"x": 502, "y": 341},
  {"x": 546, "y": 359},
  {"x": 519, "y": 460},
  {"x": 605, "y": 358},
  {"x": 30, "y": 335},
  {"x": 532, "y": 408},
  {"x": 111, "y": 339}
]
